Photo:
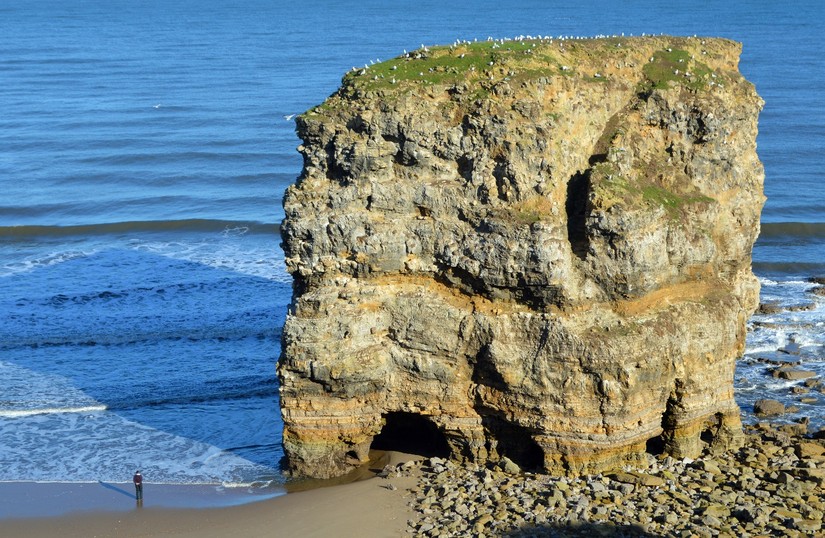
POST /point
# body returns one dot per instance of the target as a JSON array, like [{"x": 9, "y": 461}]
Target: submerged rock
[{"x": 531, "y": 249}]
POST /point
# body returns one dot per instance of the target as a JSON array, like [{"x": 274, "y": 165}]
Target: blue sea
[{"x": 144, "y": 151}]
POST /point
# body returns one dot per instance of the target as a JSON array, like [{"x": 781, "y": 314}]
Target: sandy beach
[
  {"x": 364, "y": 508},
  {"x": 772, "y": 485}
]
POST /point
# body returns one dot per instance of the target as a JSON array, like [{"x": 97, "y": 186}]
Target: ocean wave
[
  {"x": 803, "y": 230},
  {"x": 788, "y": 268},
  {"x": 256, "y": 485},
  {"x": 175, "y": 157},
  {"x": 265, "y": 389},
  {"x": 17, "y": 413},
  {"x": 27, "y": 232}
]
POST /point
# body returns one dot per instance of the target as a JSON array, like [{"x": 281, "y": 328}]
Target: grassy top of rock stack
[{"x": 470, "y": 71}]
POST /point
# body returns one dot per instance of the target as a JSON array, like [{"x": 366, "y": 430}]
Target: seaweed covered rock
[{"x": 536, "y": 248}]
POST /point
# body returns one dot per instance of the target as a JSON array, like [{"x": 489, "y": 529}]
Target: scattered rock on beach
[
  {"x": 813, "y": 382},
  {"x": 775, "y": 307},
  {"x": 508, "y": 466},
  {"x": 809, "y": 450},
  {"x": 772, "y": 486}
]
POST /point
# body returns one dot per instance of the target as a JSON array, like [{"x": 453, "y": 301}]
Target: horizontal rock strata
[{"x": 537, "y": 249}]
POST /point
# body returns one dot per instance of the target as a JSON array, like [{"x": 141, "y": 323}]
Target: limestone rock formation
[{"x": 538, "y": 249}]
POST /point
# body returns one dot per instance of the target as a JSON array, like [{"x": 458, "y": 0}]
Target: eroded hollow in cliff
[
  {"x": 411, "y": 433},
  {"x": 655, "y": 446},
  {"x": 514, "y": 442},
  {"x": 576, "y": 208},
  {"x": 663, "y": 443},
  {"x": 712, "y": 428}
]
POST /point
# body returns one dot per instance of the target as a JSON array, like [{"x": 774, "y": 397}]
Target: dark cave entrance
[
  {"x": 514, "y": 442},
  {"x": 576, "y": 208},
  {"x": 656, "y": 445},
  {"x": 411, "y": 433},
  {"x": 711, "y": 430}
]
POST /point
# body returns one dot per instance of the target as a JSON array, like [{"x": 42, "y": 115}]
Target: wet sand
[{"x": 368, "y": 508}]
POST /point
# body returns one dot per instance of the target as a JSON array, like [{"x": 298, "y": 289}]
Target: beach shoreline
[
  {"x": 772, "y": 484},
  {"x": 361, "y": 506},
  {"x": 56, "y": 499}
]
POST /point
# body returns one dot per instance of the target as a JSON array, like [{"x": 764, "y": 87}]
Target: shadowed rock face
[{"x": 539, "y": 250}]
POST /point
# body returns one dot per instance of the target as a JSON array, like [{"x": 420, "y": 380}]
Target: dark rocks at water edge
[
  {"x": 792, "y": 374},
  {"x": 818, "y": 290},
  {"x": 772, "y": 486},
  {"x": 775, "y": 307},
  {"x": 768, "y": 407}
]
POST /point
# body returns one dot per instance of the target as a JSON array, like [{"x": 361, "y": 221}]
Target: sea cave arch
[
  {"x": 411, "y": 433},
  {"x": 515, "y": 442}
]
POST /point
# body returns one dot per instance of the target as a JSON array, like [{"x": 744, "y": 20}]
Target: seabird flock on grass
[{"x": 523, "y": 39}]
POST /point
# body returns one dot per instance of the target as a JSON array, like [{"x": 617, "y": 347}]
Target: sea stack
[{"x": 531, "y": 248}]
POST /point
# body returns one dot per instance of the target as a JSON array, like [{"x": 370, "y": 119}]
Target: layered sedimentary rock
[{"x": 538, "y": 249}]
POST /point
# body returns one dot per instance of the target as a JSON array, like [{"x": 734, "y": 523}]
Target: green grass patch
[
  {"x": 613, "y": 188},
  {"x": 444, "y": 65},
  {"x": 676, "y": 66},
  {"x": 654, "y": 194}
]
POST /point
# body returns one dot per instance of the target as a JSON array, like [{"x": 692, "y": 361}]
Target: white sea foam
[
  {"x": 233, "y": 249},
  {"x": 39, "y": 260},
  {"x": 253, "y": 484},
  {"x": 26, "y": 392},
  {"x": 792, "y": 334},
  {"x": 107, "y": 447},
  {"x": 50, "y": 411}
]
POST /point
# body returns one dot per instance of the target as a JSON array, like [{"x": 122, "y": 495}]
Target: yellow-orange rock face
[{"x": 533, "y": 249}]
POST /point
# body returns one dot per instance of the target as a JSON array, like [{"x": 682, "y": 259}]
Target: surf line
[{"x": 51, "y": 411}]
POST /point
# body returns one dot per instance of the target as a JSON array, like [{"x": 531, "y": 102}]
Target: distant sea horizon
[{"x": 144, "y": 151}]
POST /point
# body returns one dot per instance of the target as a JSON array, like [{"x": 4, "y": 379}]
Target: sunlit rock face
[{"x": 538, "y": 249}]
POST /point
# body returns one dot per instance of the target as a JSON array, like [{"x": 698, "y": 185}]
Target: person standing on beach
[{"x": 138, "y": 480}]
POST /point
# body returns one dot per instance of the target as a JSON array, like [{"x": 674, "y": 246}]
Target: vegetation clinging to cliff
[
  {"x": 457, "y": 63},
  {"x": 676, "y": 66}
]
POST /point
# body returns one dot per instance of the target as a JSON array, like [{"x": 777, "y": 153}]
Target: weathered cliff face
[{"x": 539, "y": 249}]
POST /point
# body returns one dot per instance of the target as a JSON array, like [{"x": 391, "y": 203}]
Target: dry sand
[{"x": 366, "y": 508}]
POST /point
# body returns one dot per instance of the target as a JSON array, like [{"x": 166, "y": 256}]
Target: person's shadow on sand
[{"x": 115, "y": 488}]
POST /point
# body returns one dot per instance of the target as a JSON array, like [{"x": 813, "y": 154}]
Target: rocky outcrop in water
[{"x": 538, "y": 249}]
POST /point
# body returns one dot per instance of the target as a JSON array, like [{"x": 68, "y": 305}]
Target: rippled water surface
[{"x": 144, "y": 152}]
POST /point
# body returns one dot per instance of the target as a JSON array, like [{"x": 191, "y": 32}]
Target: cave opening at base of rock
[
  {"x": 712, "y": 427},
  {"x": 655, "y": 446},
  {"x": 411, "y": 433},
  {"x": 515, "y": 442},
  {"x": 663, "y": 443}
]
